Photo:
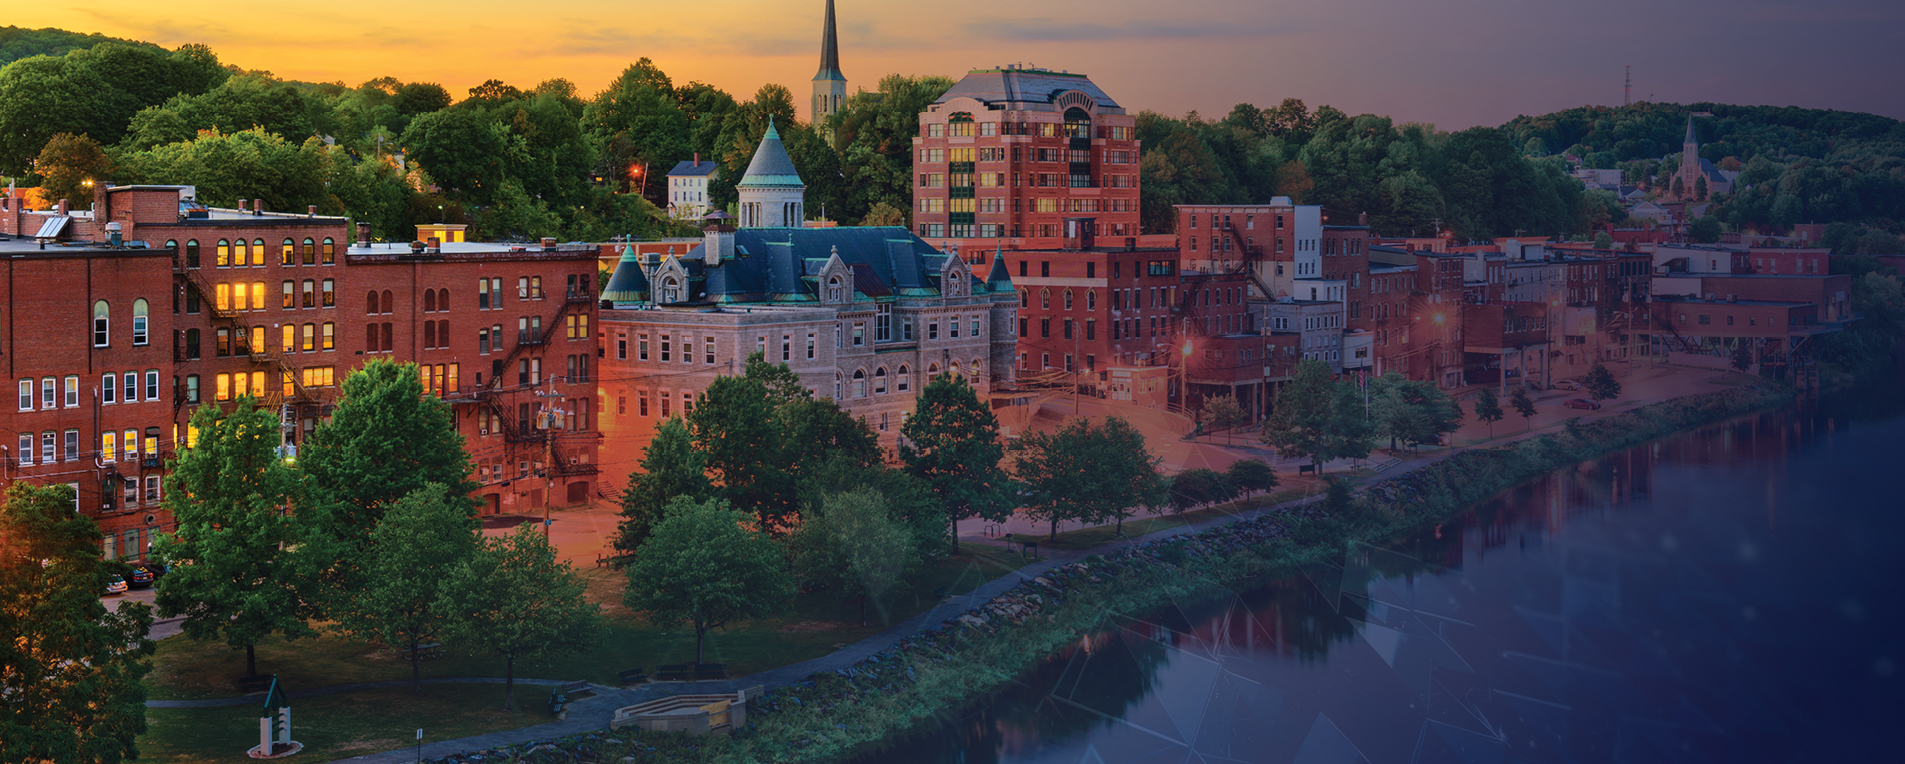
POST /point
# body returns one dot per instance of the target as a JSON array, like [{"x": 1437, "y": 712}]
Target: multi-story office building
[{"x": 1007, "y": 154}]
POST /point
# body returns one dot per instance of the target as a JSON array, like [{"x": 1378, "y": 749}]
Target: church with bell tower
[{"x": 830, "y": 86}]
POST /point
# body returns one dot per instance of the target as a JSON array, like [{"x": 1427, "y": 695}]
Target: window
[
  {"x": 904, "y": 380},
  {"x": 152, "y": 384},
  {"x": 288, "y": 299},
  {"x": 879, "y": 381},
  {"x": 102, "y": 324},
  {"x": 859, "y": 333},
  {"x": 25, "y": 453},
  {"x": 49, "y": 396},
  {"x": 932, "y": 330},
  {"x": 224, "y": 259},
  {"x": 859, "y": 383},
  {"x": 139, "y": 321},
  {"x": 952, "y": 328},
  {"x": 108, "y": 446},
  {"x": 328, "y": 333},
  {"x": 329, "y": 252},
  {"x": 310, "y": 338},
  {"x": 26, "y": 395},
  {"x": 72, "y": 445},
  {"x": 310, "y": 294},
  {"x": 310, "y": 252},
  {"x": 72, "y": 389},
  {"x": 191, "y": 253}
]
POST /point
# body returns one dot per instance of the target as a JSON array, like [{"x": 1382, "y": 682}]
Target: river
[{"x": 1725, "y": 595}]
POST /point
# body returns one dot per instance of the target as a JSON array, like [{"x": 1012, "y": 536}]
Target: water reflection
[{"x": 1721, "y": 596}]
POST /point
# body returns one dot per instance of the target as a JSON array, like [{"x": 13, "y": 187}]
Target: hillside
[
  {"x": 1603, "y": 136},
  {"x": 17, "y": 43}
]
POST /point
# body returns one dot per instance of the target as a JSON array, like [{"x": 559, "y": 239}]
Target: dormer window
[
  {"x": 670, "y": 290},
  {"x": 835, "y": 293}
]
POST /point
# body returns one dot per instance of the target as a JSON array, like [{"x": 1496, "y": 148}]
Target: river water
[{"x": 1726, "y": 595}]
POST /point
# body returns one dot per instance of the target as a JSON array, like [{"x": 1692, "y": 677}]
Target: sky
[{"x": 1452, "y": 63}]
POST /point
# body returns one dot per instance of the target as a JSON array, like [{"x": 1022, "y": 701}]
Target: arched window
[
  {"x": 443, "y": 299},
  {"x": 429, "y": 300},
  {"x": 1068, "y": 299},
  {"x": 257, "y": 251},
  {"x": 1077, "y": 123},
  {"x": 288, "y": 252},
  {"x": 975, "y": 369},
  {"x": 1024, "y": 297},
  {"x": 836, "y": 385},
  {"x": 859, "y": 383},
  {"x": 139, "y": 319},
  {"x": 833, "y": 289},
  {"x": 310, "y": 252},
  {"x": 932, "y": 370},
  {"x": 1091, "y": 299},
  {"x": 240, "y": 253},
  {"x": 329, "y": 252},
  {"x": 1045, "y": 299},
  {"x": 954, "y": 369},
  {"x": 670, "y": 290},
  {"x": 388, "y": 304},
  {"x": 879, "y": 381},
  {"x": 102, "y": 325},
  {"x": 370, "y": 304},
  {"x": 224, "y": 253},
  {"x": 191, "y": 253},
  {"x": 905, "y": 377}
]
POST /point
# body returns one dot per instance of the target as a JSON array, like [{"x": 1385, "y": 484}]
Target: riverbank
[{"x": 850, "y": 712}]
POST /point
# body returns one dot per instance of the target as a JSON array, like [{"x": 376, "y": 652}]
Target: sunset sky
[{"x": 1455, "y": 63}]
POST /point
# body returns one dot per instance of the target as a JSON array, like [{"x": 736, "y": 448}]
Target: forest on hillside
[{"x": 524, "y": 161}]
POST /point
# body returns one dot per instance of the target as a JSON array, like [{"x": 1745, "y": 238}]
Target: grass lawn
[
  {"x": 1087, "y": 538},
  {"x": 817, "y": 623},
  {"x": 337, "y": 726}
]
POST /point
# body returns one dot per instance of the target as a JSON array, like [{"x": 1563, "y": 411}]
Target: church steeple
[{"x": 830, "y": 86}]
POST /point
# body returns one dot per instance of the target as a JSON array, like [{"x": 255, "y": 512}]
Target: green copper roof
[
  {"x": 771, "y": 167},
  {"x": 628, "y": 284}
]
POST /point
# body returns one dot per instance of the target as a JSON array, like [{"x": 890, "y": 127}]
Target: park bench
[
  {"x": 570, "y": 688},
  {"x": 632, "y": 676},
  {"x": 708, "y": 671},
  {"x": 259, "y": 683},
  {"x": 678, "y": 672},
  {"x": 426, "y": 651},
  {"x": 1306, "y": 469}
]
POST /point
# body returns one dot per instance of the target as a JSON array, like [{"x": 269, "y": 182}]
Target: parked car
[
  {"x": 143, "y": 575},
  {"x": 1567, "y": 384},
  {"x": 1583, "y": 403},
  {"x": 116, "y": 585}
]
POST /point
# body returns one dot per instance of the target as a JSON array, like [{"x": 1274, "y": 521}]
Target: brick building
[
  {"x": 1006, "y": 154},
  {"x": 173, "y": 305}
]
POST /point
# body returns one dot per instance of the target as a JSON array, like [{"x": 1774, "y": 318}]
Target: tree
[
  {"x": 1603, "y": 240},
  {"x": 1600, "y": 383},
  {"x": 235, "y": 551},
  {"x": 952, "y": 443},
  {"x": 70, "y": 671},
  {"x": 706, "y": 566},
  {"x": 670, "y": 467},
  {"x": 884, "y": 214},
  {"x": 1317, "y": 418},
  {"x": 513, "y": 599},
  {"x": 1199, "y": 486},
  {"x": 226, "y": 167},
  {"x": 1087, "y": 473},
  {"x": 385, "y": 440},
  {"x": 1742, "y": 355},
  {"x": 1523, "y": 406},
  {"x": 1224, "y": 413},
  {"x": 909, "y": 500},
  {"x": 733, "y": 424},
  {"x": 422, "y": 539},
  {"x": 1250, "y": 475},
  {"x": 851, "y": 542},
  {"x": 1706, "y": 230},
  {"x": 70, "y": 166},
  {"x": 1488, "y": 408}
]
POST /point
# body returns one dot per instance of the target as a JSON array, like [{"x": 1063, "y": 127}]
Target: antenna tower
[{"x": 1627, "y": 93}]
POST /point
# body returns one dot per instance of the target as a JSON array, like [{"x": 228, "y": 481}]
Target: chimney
[
  {"x": 717, "y": 244},
  {"x": 258, "y": 207},
  {"x": 241, "y": 204},
  {"x": 548, "y": 243},
  {"x": 416, "y": 248},
  {"x": 434, "y": 246},
  {"x": 61, "y": 207},
  {"x": 697, "y": 159},
  {"x": 1362, "y": 218},
  {"x": 312, "y": 211},
  {"x": 363, "y": 234}
]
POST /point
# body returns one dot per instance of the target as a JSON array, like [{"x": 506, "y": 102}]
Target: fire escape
[{"x": 283, "y": 384}]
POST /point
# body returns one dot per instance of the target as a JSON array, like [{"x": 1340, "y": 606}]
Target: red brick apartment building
[
  {"x": 1089, "y": 316},
  {"x": 1006, "y": 154},
  {"x": 114, "y": 336}
]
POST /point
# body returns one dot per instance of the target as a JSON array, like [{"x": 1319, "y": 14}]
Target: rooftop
[
  {"x": 1017, "y": 85},
  {"x": 689, "y": 169}
]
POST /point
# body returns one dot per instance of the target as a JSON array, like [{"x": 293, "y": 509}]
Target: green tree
[
  {"x": 1317, "y": 418},
  {"x": 1488, "y": 408},
  {"x": 852, "y": 543},
  {"x": 1224, "y": 413},
  {"x": 1523, "y": 406},
  {"x": 670, "y": 467},
  {"x": 226, "y": 167},
  {"x": 421, "y": 540},
  {"x": 1087, "y": 473},
  {"x": 1601, "y": 384},
  {"x": 1250, "y": 476},
  {"x": 1198, "y": 486},
  {"x": 908, "y": 499},
  {"x": 952, "y": 443},
  {"x": 385, "y": 440},
  {"x": 513, "y": 599},
  {"x": 1706, "y": 230},
  {"x": 234, "y": 553},
  {"x": 70, "y": 671},
  {"x": 69, "y": 167},
  {"x": 884, "y": 213},
  {"x": 1603, "y": 240},
  {"x": 93, "y": 91},
  {"x": 706, "y": 567},
  {"x": 463, "y": 150}
]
